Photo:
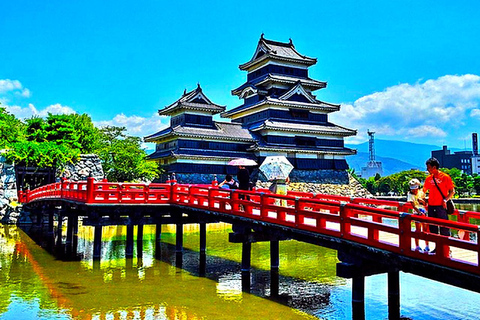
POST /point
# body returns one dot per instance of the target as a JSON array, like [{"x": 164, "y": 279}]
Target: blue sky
[{"x": 408, "y": 70}]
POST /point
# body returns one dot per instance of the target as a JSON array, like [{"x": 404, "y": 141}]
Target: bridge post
[
  {"x": 140, "y": 240},
  {"x": 394, "y": 295},
  {"x": 129, "y": 245},
  {"x": 203, "y": 248},
  {"x": 246, "y": 256},
  {"x": 97, "y": 242},
  {"x": 274, "y": 267},
  {"x": 70, "y": 226},
  {"x": 90, "y": 187},
  {"x": 179, "y": 245},
  {"x": 50, "y": 223},
  {"x": 158, "y": 238},
  {"x": 358, "y": 297},
  {"x": 72, "y": 238},
  {"x": 59, "y": 228}
]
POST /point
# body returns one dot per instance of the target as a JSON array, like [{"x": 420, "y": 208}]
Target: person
[
  {"x": 416, "y": 197},
  {"x": 279, "y": 186},
  {"x": 440, "y": 188},
  {"x": 228, "y": 183},
  {"x": 243, "y": 177}
]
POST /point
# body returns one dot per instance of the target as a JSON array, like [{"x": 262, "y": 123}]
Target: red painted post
[
  {"x": 62, "y": 187},
  {"x": 462, "y": 217},
  {"x": 405, "y": 236},
  {"x": 90, "y": 187},
  {"x": 344, "y": 221},
  {"x": 146, "y": 192}
]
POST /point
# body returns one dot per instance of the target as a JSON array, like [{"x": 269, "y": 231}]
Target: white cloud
[
  {"x": 8, "y": 86},
  {"x": 434, "y": 109},
  {"x": 475, "y": 113},
  {"x": 136, "y": 125},
  {"x": 31, "y": 110}
]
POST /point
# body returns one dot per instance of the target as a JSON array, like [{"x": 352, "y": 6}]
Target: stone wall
[
  {"x": 351, "y": 189},
  {"x": 9, "y": 206},
  {"x": 87, "y": 165}
]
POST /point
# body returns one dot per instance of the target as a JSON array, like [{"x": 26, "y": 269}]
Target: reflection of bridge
[{"x": 371, "y": 236}]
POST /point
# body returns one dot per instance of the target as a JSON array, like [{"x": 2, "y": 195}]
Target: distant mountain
[
  {"x": 390, "y": 165},
  {"x": 395, "y": 156}
]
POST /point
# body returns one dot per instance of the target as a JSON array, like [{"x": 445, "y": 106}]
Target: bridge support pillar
[
  {"x": 140, "y": 240},
  {"x": 358, "y": 298},
  {"x": 72, "y": 235},
  {"x": 129, "y": 244},
  {"x": 50, "y": 223},
  {"x": 394, "y": 295},
  {"x": 158, "y": 240},
  {"x": 203, "y": 249},
  {"x": 97, "y": 242},
  {"x": 179, "y": 245},
  {"x": 246, "y": 256},
  {"x": 59, "y": 229},
  {"x": 274, "y": 267}
]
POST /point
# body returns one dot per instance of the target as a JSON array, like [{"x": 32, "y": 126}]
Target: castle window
[{"x": 299, "y": 114}]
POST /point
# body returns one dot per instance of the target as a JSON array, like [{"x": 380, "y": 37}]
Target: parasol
[
  {"x": 276, "y": 167},
  {"x": 242, "y": 162}
]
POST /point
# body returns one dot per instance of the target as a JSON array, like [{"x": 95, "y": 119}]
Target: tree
[
  {"x": 122, "y": 156},
  {"x": 11, "y": 129},
  {"x": 45, "y": 154}
]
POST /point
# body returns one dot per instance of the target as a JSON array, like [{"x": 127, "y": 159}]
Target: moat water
[{"x": 36, "y": 284}]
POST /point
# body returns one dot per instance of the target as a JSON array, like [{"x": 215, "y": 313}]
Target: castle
[{"x": 279, "y": 115}]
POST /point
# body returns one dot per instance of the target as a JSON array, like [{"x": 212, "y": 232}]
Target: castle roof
[
  {"x": 282, "y": 79},
  {"x": 196, "y": 154},
  {"x": 221, "y": 131},
  {"x": 316, "y": 150},
  {"x": 329, "y": 129},
  {"x": 317, "y": 106},
  {"x": 194, "y": 100},
  {"x": 280, "y": 51}
]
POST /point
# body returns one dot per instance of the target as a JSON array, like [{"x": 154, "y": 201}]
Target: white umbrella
[
  {"x": 276, "y": 167},
  {"x": 242, "y": 162}
]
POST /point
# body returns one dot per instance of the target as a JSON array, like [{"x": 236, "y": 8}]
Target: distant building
[
  {"x": 279, "y": 115},
  {"x": 466, "y": 161},
  {"x": 475, "y": 157}
]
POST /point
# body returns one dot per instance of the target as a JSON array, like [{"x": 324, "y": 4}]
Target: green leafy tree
[
  {"x": 41, "y": 154},
  {"x": 11, "y": 129},
  {"x": 122, "y": 156}
]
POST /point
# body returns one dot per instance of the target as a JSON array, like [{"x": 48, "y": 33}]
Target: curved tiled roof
[
  {"x": 330, "y": 129},
  {"x": 320, "y": 106},
  {"x": 277, "y": 51},
  {"x": 222, "y": 131},
  {"x": 193, "y": 100},
  {"x": 277, "y": 78}
]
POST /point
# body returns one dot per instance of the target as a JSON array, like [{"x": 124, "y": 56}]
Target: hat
[{"x": 414, "y": 184}]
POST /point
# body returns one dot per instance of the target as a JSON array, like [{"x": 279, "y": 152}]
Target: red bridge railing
[{"x": 377, "y": 223}]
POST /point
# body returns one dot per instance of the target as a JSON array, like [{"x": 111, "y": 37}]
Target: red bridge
[{"x": 371, "y": 236}]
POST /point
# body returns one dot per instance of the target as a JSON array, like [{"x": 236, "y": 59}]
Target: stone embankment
[
  {"x": 88, "y": 165},
  {"x": 352, "y": 189}
]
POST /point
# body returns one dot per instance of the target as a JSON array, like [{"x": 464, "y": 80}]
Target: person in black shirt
[{"x": 243, "y": 177}]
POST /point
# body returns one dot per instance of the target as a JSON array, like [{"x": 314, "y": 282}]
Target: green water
[{"x": 36, "y": 285}]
